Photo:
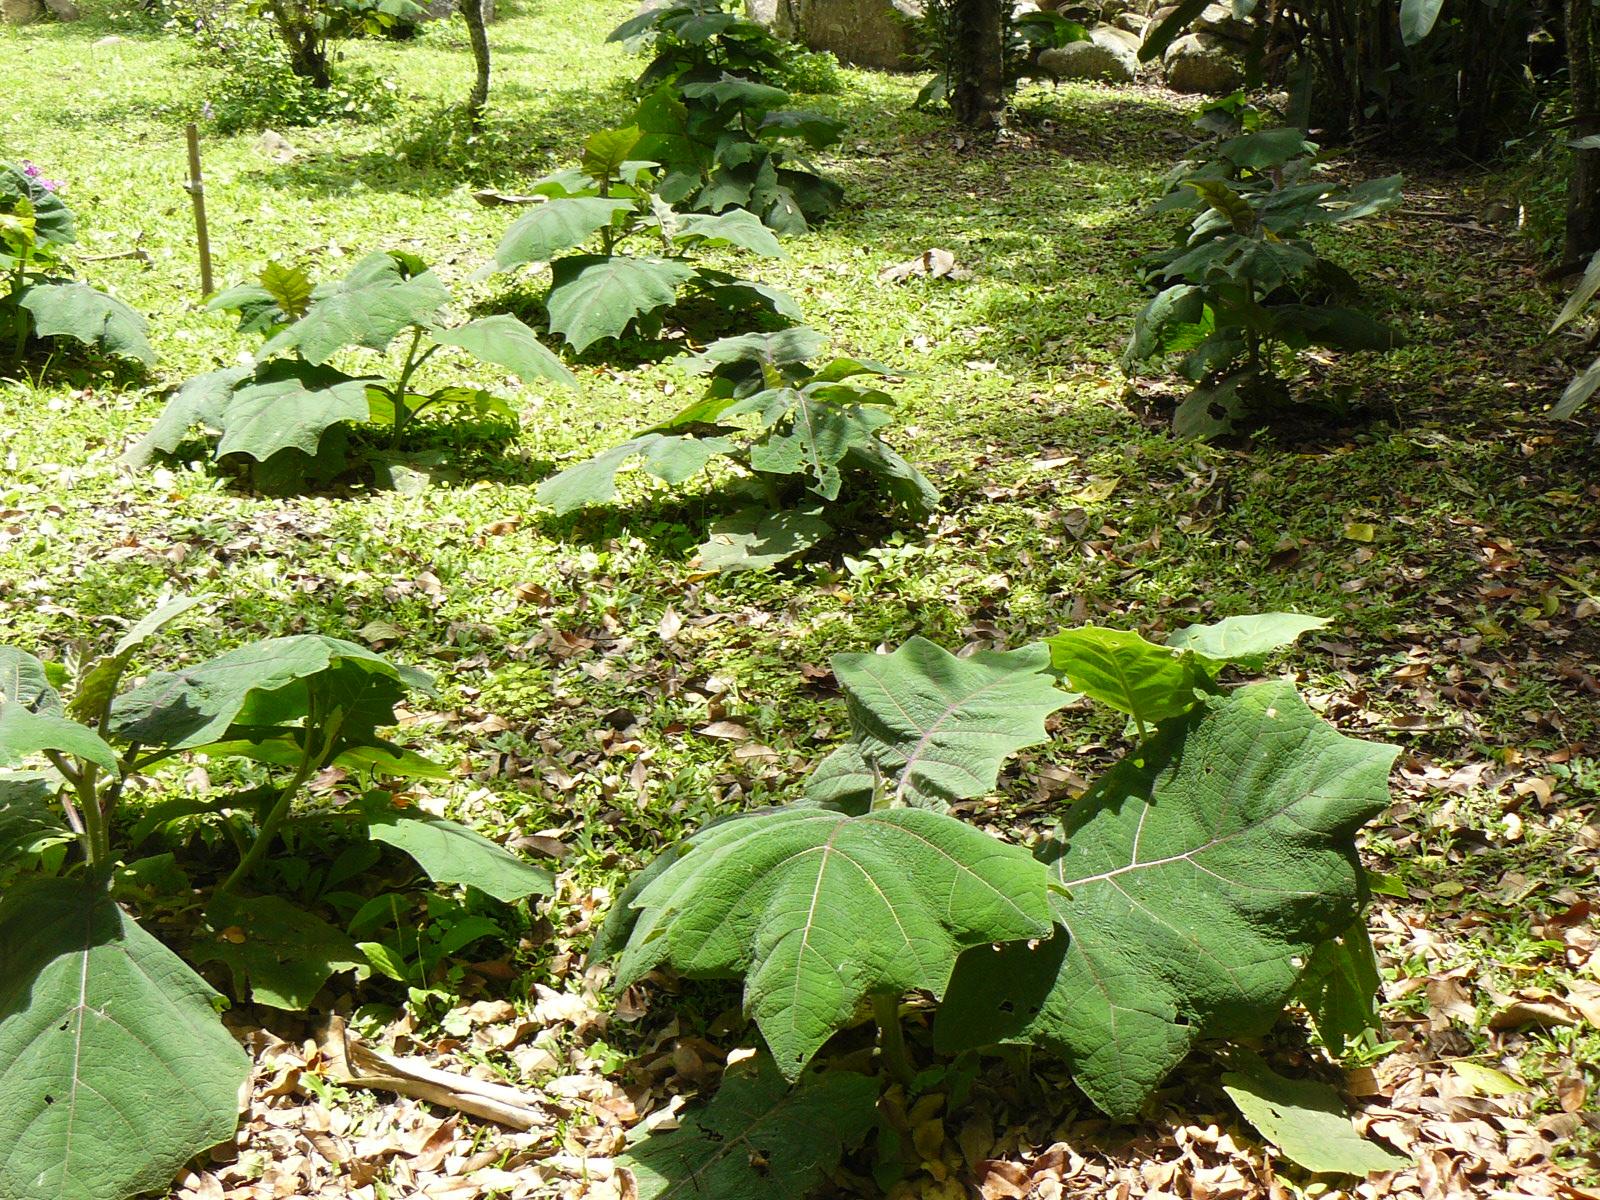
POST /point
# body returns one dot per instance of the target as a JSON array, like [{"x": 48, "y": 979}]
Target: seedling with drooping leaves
[
  {"x": 118, "y": 1070},
  {"x": 797, "y": 433},
  {"x": 41, "y": 299},
  {"x": 283, "y": 408},
  {"x": 610, "y": 199},
  {"x": 1206, "y": 880}
]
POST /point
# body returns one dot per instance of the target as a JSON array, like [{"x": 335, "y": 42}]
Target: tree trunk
[
  {"x": 472, "y": 13},
  {"x": 1583, "y": 184},
  {"x": 21, "y": 12},
  {"x": 977, "y": 63},
  {"x": 308, "y": 52}
]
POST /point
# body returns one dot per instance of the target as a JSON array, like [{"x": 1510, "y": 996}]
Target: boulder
[
  {"x": 1101, "y": 60},
  {"x": 1134, "y": 23},
  {"x": 63, "y": 10},
  {"x": 1116, "y": 38},
  {"x": 864, "y": 33},
  {"x": 1200, "y": 63},
  {"x": 20, "y": 12}
]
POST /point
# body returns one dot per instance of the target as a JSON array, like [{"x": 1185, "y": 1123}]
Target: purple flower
[{"x": 34, "y": 173}]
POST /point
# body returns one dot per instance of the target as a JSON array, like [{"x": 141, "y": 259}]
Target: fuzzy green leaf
[
  {"x": 507, "y": 342},
  {"x": 76, "y": 310},
  {"x": 557, "y": 225},
  {"x": 734, "y": 228},
  {"x": 289, "y": 405},
  {"x": 200, "y": 401},
  {"x": 1340, "y": 987},
  {"x": 1190, "y": 886},
  {"x": 1307, "y": 1122},
  {"x": 672, "y": 459},
  {"x": 758, "y": 1139},
  {"x": 368, "y": 307},
  {"x": 1118, "y": 667},
  {"x": 278, "y": 954},
  {"x": 451, "y": 853},
  {"x": 1245, "y": 639},
  {"x": 263, "y": 683},
  {"x": 594, "y": 296},
  {"x": 114, "y": 1070},
  {"x": 818, "y": 910},
  {"x": 754, "y": 539},
  {"x": 936, "y": 728}
]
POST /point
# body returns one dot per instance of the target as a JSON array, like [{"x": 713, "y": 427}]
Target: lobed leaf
[
  {"x": 381, "y": 296},
  {"x": 595, "y": 296},
  {"x": 76, "y": 310}
]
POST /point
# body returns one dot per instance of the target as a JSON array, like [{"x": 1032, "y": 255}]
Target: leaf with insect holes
[
  {"x": 595, "y": 296},
  {"x": 76, "y": 310},
  {"x": 114, "y": 1069},
  {"x": 819, "y": 910},
  {"x": 932, "y": 727},
  {"x": 384, "y": 294},
  {"x": 760, "y": 1138},
  {"x": 1189, "y": 886}
]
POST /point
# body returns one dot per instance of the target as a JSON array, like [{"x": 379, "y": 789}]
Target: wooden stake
[{"x": 197, "y": 191}]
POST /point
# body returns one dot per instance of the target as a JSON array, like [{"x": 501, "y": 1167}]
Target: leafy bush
[
  {"x": 609, "y": 199},
  {"x": 42, "y": 299},
  {"x": 1182, "y": 898},
  {"x": 1244, "y": 279},
  {"x": 253, "y": 79},
  {"x": 799, "y": 432},
  {"x": 112, "y": 1041},
  {"x": 714, "y": 115},
  {"x": 946, "y": 51},
  {"x": 281, "y": 409}
]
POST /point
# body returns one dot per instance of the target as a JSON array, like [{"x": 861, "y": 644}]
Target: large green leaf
[
  {"x": 672, "y": 459},
  {"x": 368, "y": 307},
  {"x": 29, "y": 816},
  {"x": 200, "y": 401},
  {"x": 819, "y": 910},
  {"x": 557, "y": 225},
  {"x": 1307, "y": 1122},
  {"x": 114, "y": 1070},
  {"x": 811, "y": 435},
  {"x": 754, "y": 539},
  {"x": 1417, "y": 19},
  {"x": 278, "y": 954},
  {"x": 785, "y": 347},
  {"x": 263, "y": 683},
  {"x": 594, "y": 296},
  {"x": 933, "y": 728},
  {"x": 76, "y": 310},
  {"x": 1190, "y": 886},
  {"x": 1245, "y": 639},
  {"x": 1118, "y": 667},
  {"x": 507, "y": 342},
  {"x": 1340, "y": 989},
  {"x": 451, "y": 853},
  {"x": 735, "y": 228},
  {"x": 32, "y": 720},
  {"x": 289, "y": 405},
  {"x": 25, "y": 682},
  {"x": 52, "y": 219},
  {"x": 759, "y": 1138}
]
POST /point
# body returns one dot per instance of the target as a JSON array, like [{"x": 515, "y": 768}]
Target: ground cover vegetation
[{"x": 978, "y": 770}]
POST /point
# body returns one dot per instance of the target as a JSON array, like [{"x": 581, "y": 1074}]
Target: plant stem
[
  {"x": 310, "y": 760},
  {"x": 891, "y": 1037},
  {"x": 399, "y": 394}
]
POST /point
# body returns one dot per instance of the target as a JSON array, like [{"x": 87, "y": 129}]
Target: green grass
[{"x": 1012, "y": 403}]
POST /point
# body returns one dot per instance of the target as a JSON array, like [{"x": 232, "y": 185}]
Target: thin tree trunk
[
  {"x": 977, "y": 62},
  {"x": 308, "y": 53},
  {"x": 1583, "y": 184},
  {"x": 478, "y": 35}
]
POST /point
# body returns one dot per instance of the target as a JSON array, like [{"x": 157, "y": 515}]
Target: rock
[
  {"x": 1103, "y": 60},
  {"x": 20, "y": 12},
  {"x": 63, "y": 10},
  {"x": 864, "y": 33},
  {"x": 1134, "y": 23},
  {"x": 110, "y": 39},
  {"x": 273, "y": 145},
  {"x": 1110, "y": 35},
  {"x": 1200, "y": 63}
]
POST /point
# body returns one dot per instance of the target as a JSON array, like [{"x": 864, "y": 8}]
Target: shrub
[
  {"x": 281, "y": 409},
  {"x": 42, "y": 300},
  {"x": 1244, "y": 283},
  {"x": 798, "y": 432},
  {"x": 714, "y": 115}
]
